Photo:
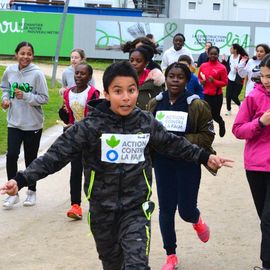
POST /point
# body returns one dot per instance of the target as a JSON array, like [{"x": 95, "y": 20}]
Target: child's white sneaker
[
  {"x": 30, "y": 199},
  {"x": 10, "y": 201}
]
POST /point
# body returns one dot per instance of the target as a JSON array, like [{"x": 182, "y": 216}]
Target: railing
[
  {"x": 39, "y": 2},
  {"x": 155, "y": 8}
]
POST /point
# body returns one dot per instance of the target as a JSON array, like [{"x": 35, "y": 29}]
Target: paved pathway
[{"x": 42, "y": 237}]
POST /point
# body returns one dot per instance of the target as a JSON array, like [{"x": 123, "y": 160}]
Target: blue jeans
[{"x": 178, "y": 185}]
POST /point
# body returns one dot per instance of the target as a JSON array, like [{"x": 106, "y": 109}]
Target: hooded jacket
[
  {"x": 93, "y": 93},
  {"x": 246, "y": 126},
  {"x": 26, "y": 113},
  {"x": 201, "y": 128},
  {"x": 218, "y": 72},
  {"x": 111, "y": 183}
]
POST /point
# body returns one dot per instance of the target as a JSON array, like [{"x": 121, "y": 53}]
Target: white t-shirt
[
  {"x": 171, "y": 55},
  {"x": 246, "y": 70},
  {"x": 233, "y": 67},
  {"x": 77, "y": 103}
]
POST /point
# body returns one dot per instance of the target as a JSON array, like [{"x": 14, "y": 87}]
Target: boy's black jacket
[{"x": 111, "y": 186}]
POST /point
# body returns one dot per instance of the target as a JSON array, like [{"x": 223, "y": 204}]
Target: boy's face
[{"x": 122, "y": 93}]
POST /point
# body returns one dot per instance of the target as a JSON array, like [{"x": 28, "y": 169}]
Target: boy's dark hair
[
  {"x": 184, "y": 68},
  {"x": 90, "y": 69},
  {"x": 122, "y": 68},
  {"x": 181, "y": 35},
  {"x": 22, "y": 44},
  {"x": 145, "y": 50},
  {"x": 185, "y": 58},
  {"x": 149, "y": 35},
  {"x": 266, "y": 61},
  {"x": 213, "y": 47}
]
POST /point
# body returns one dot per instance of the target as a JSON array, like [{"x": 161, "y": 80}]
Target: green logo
[
  {"x": 160, "y": 115},
  {"x": 112, "y": 142}
]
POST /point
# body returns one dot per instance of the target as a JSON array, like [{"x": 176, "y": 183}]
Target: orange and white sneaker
[
  {"x": 202, "y": 230},
  {"x": 75, "y": 212},
  {"x": 171, "y": 263}
]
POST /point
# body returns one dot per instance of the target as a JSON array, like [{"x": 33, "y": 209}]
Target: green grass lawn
[{"x": 50, "y": 111}]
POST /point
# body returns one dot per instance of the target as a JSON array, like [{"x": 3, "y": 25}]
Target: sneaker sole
[
  {"x": 8, "y": 207},
  {"x": 28, "y": 204},
  {"x": 176, "y": 267},
  {"x": 74, "y": 216}
]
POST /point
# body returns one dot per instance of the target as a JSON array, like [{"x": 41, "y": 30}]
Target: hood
[
  {"x": 190, "y": 97},
  {"x": 259, "y": 87},
  {"x": 31, "y": 67}
]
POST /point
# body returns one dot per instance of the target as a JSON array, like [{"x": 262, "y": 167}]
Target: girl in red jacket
[
  {"x": 76, "y": 99},
  {"x": 213, "y": 76}
]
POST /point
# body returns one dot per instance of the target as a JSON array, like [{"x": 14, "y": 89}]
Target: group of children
[{"x": 174, "y": 137}]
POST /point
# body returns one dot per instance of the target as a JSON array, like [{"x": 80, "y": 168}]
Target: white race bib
[
  {"x": 173, "y": 120},
  {"x": 123, "y": 148}
]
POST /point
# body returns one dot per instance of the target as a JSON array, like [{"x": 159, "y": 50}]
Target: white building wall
[{"x": 224, "y": 10}]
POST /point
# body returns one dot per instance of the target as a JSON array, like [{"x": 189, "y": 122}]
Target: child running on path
[
  {"x": 115, "y": 138},
  {"x": 24, "y": 91},
  {"x": 252, "y": 124},
  {"x": 213, "y": 76},
  {"x": 178, "y": 181},
  {"x": 76, "y": 99}
]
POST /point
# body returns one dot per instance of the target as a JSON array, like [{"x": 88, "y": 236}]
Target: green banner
[{"x": 40, "y": 29}]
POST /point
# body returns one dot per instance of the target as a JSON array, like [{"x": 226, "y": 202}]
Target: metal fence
[{"x": 153, "y": 8}]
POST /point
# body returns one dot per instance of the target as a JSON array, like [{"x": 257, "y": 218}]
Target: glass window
[
  {"x": 216, "y": 6},
  {"x": 192, "y": 5}
]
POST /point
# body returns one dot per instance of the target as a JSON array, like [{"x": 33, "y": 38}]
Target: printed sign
[
  {"x": 173, "y": 120},
  {"x": 40, "y": 29},
  {"x": 111, "y": 34},
  {"x": 222, "y": 36},
  {"x": 123, "y": 148}
]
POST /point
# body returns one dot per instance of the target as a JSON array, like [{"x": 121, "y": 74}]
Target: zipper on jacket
[{"x": 121, "y": 173}]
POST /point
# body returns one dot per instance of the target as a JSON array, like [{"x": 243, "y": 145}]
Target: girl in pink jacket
[{"x": 252, "y": 123}]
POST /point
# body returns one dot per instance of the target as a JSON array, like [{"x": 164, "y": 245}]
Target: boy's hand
[
  {"x": 216, "y": 162},
  {"x": 10, "y": 188}
]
